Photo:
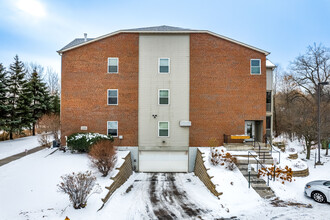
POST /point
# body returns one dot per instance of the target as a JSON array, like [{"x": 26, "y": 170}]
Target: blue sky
[{"x": 36, "y": 29}]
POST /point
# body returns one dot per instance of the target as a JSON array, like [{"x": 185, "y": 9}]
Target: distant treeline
[{"x": 26, "y": 95}]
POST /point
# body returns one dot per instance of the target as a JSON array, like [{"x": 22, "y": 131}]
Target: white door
[
  {"x": 163, "y": 161},
  {"x": 250, "y": 129}
]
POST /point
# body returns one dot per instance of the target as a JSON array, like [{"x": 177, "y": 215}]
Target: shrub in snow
[
  {"x": 82, "y": 142},
  {"x": 282, "y": 175},
  {"x": 299, "y": 165},
  {"x": 78, "y": 187},
  {"x": 49, "y": 123},
  {"x": 220, "y": 157},
  {"x": 44, "y": 140},
  {"x": 291, "y": 150},
  {"x": 103, "y": 156}
]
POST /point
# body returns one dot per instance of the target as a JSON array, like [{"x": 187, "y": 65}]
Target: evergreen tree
[
  {"x": 40, "y": 100},
  {"x": 16, "y": 82},
  {"x": 3, "y": 97},
  {"x": 24, "y": 106},
  {"x": 55, "y": 103}
]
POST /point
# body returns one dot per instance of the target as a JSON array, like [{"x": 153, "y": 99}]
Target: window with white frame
[
  {"x": 164, "y": 65},
  {"x": 163, "y": 96},
  {"x": 255, "y": 66},
  {"x": 112, "y": 96},
  {"x": 163, "y": 129},
  {"x": 113, "y": 128},
  {"x": 112, "y": 65}
]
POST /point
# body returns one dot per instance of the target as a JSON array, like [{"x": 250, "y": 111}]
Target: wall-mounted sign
[
  {"x": 83, "y": 128},
  {"x": 185, "y": 123}
]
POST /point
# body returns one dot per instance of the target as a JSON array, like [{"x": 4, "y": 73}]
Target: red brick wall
[
  {"x": 85, "y": 82},
  {"x": 223, "y": 93}
]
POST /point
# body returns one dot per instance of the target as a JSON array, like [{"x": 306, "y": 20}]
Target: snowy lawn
[
  {"x": 295, "y": 189},
  {"x": 16, "y": 146},
  {"x": 246, "y": 203},
  {"x": 233, "y": 185},
  {"x": 28, "y": 186},
  {"x": 28, "y": 189}
]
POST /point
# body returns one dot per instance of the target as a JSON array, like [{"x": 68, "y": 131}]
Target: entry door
[{"x": 250, "y": 128}]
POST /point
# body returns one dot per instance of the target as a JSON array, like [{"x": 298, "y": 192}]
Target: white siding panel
[{"x": 151, "y": 48}]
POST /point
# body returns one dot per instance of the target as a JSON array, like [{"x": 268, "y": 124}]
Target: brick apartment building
[{"x": 163, "y": 91}]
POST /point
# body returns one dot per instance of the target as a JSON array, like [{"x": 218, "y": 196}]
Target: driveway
[{"x": 167, "y": 196}]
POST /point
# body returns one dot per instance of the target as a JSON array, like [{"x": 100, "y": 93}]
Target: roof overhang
[{"x": 166, "y": 32}]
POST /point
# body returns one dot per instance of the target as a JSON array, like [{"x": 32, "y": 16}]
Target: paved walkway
[{"x": 20, "y": 155}]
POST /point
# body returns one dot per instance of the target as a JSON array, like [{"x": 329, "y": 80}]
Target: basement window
[
  {"x": 255, "y": 66},
  {"x": 163, "y": 96},
  {"x": 112, "y": 128},
  {"x": 112, "y": 96},
  {"x": 163, "y": 129},
  {"x": 164, "y": 65},
  {"x": 113, "y": 65}
]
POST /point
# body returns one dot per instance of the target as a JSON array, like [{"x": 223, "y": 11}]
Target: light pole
[{"x": 319, "y": 119}]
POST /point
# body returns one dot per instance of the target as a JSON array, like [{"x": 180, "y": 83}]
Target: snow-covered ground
[
  {"x": 233, "y": 185},
  {"x": 28, "y": 190},
  {"x": 246, "y": 203},
  {"x": 294, "y": 190},
  {"x": 28, "y": 186},
  {"x": 16, "y": 146}
]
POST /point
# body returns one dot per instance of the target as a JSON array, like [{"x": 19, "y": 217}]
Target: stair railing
[
  {"x": 270, "y": 176},
  {"x": 272, "y": 148},
  {"x": 261, "y": 153}
]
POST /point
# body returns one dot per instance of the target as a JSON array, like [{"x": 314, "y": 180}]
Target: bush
[
  {"x": 220, "y": 157},
  {"x": 49, "y": 123},
  {"x": 103, "y": 156},
  {"x": 78, "y": 187},
  {"x": 44, "y": 140},
  {"x": 280, "y": 174},
  {"x": 82, "y": 142}
]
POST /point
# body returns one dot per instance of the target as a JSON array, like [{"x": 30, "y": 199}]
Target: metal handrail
[
  {"x": 259, "y": 152},
  {"x": 273, "y": 149},
  {"x": 269, "y": 175}
]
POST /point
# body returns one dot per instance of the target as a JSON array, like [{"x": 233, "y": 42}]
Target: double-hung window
[
  {"x": 163, "y": 96},
  {"x": 112, "y": 128},
  {"x": 255, "y": 66},
  {"x": 112, "y": 96},
  {"x": 164, "y": 65},
  {"x": 163, "y": 129},
  {"x": 113, "y": 64}
]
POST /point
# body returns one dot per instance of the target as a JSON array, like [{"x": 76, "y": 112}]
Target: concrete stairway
[
  {"x": 264, "y": 155},
  {"x": 258, "y": 184}
]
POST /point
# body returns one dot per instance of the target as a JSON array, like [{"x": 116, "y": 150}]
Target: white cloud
[{"x": 32, "y": 7}]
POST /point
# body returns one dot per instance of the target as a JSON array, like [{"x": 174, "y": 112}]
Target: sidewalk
[
  {"x": 20, "y": 155},
  {"x": 9, "y": 148}
]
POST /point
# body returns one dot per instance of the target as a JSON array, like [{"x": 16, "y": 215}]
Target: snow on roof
[{"x": 269, "y": 64}]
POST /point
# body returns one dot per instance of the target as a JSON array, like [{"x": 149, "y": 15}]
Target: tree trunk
[
  {"x": 308, "y": 155},
  {"x": 308, "y": 146},
  {"x": 327, "y": 148},
  {"x": 34, "y": 129},
  {"x": 10, "y": 135}
]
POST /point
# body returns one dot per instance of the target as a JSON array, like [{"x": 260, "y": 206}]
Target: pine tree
[
  {"x": 40, "y": 100},
  {"x": 3, "y": 97},
  {"x": 16, "y": 82},
  {"x": 55, "y": 103}
]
